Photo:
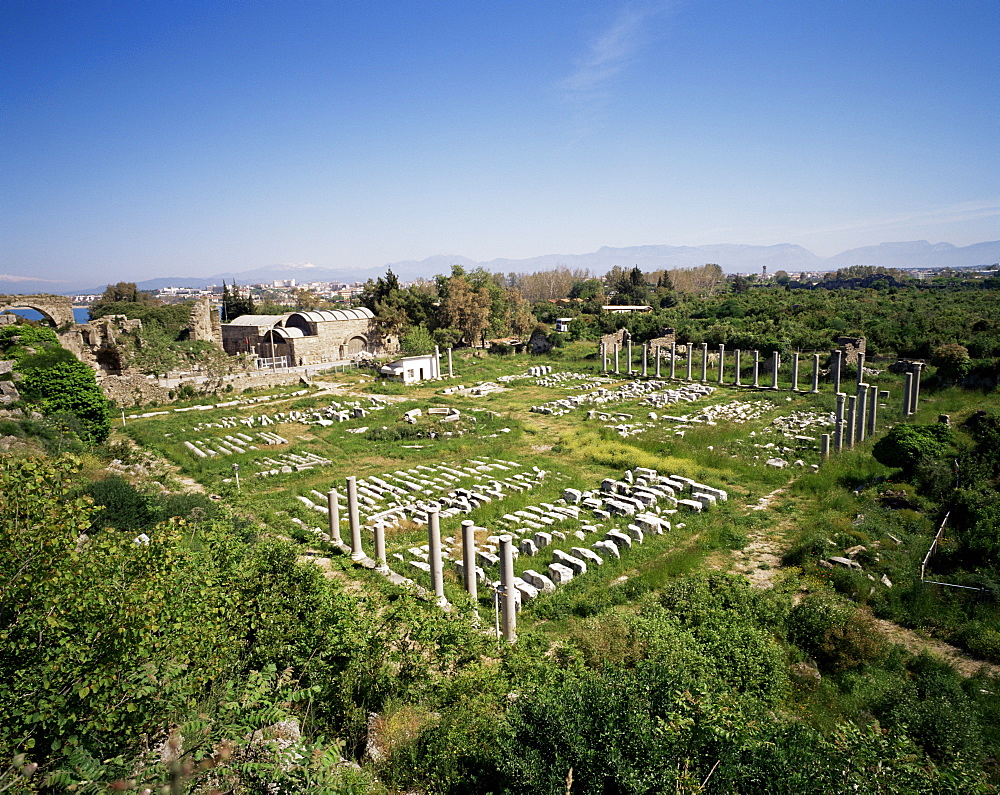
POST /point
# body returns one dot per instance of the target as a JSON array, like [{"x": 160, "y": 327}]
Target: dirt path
[
  {"x": 916, "y": 643},
  {"x": 760, "y": 562}
]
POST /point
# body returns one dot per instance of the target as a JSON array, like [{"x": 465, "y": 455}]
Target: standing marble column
[
  {"x": 736, "y": 381},
  {"x": 469, "y": 559},
  {"x": 861, "y": 368},
  {"x": 690, "y": 359},
  {"x": 617, "y": 369},
  {"x": 656, "y": 351},
  {"x": 451, "y": 372},
  {"x": 837, "y": 361},
  {"x": 704, "y": 362},
  {"x": 815, "y": 388},
  {"x": 437, "y": 361},
  {"x": 333, "y": 515},
  {"x": 509, "y": 604},
  {"x": 722, "y": 362},
  {"x": 915, "y": 400},
  {"x": 357, "y": 553},
  {"x": 775, "y": 366},
  {"x": 604, "y": 357},
  {"x": 756, "y": 369},
  {"x": 383, "y": 563},
  {"x": 630, "y": 355},
  {"x": 673, "y": 360},
  {"x": 824, "y": 446},
  {"x": 907, "y": 395},
  {"x": 872, "y": 408},
  {"x": 838, "y": 427},
  {"x": 645, "y": 354},
  {"x": 795, "y": 372},
  {"x": 862, "y": 413},
  {"x": 851, "y": 424},
  {"x": 434, "y": 542}
]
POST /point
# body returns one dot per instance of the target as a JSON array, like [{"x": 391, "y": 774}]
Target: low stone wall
[{"x": 133, "y": 389}]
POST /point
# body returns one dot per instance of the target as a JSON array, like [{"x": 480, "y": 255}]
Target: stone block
[
  {"x": 542, "y": 539},
  {"x": 618, "y": 538},
  {"x": 560, "y": 573},
  {"x": 607, "y": 548},
  {"x": 588, "y": 555},
  {"x": 540, "y": 581},
  {"x": 575, "y": 563}
]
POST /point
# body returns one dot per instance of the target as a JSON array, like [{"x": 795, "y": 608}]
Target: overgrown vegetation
[{"x": 235, "y": 651}]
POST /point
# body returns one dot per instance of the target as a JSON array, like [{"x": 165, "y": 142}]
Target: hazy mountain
[{"x": 732, "y": 257}]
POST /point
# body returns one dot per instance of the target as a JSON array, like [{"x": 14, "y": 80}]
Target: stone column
[
  {"x": 508, "y": 620},
  {"x": 451, "y": 372},
  {"x": 437, "y": 361},
  {"x": 851, "y": 424},
  {"x": 861, "y": 368},
  {"x": 837, "y": 360},
  {"x": 815, "y": 388},
  {"x": 722, "y": 362},
  {"x": 838, "y": 427},
  {"x": 756, "y": 369},
  {"x": 380, "y": 547},
  {"x": 617, "y": 348},
  {"x": 915, "y": 400},
  {"x": 357, "y": 553},
  {"x": 469, "y": 559},
  {"x": 795, "y": 372},
  {"x": 872, "y": 408},
  {"x": 775, "y": 366},
  {"x": 656, "y": 351},
  {"x": 704, "y": 362},
  {"x": 645, "y": 359},
  {"x": 907, "y": 394},
  {"x": 333, "y": 514},
  {"x": 673, "y": 360},
  {"x": 690, "y": 357},
  {"x": 604, "y": 357},
  {"x": 862, "y": 413},
  {"x": 630, "y": 356},
  {"x": 434, "y": 542},
  {"x": 824, "y": 446},
  {"x": 736, "y": 381}
]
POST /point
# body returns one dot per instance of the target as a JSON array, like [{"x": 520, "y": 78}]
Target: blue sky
[{"x": 143, "y": 138}]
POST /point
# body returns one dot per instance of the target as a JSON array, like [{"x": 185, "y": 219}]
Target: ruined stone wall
[
  {"x": 669, "y": 338},
  {"x": 97, "y": 343},
  {"x": 205, "y": 324},
  {"x": 57, "y": 308},
  {"x": 851, "y": 346},
  {"x": 133, "y": 389}
]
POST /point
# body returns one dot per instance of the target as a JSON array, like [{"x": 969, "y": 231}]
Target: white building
[{"x": 413, "y": 369}]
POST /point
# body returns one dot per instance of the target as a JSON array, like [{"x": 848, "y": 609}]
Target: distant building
[
  {"x": 625, "y": 310},
  {"x": 413, "y": 369},
  {"x": 562, "y": 323},
  {"x": 301, "y": 338}
]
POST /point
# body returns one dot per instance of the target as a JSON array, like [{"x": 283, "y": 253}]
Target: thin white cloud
[
  {"x": 931, "y": 216},
  {"x": 7, "y": 277},
  {"x": 610, "y": 53}
]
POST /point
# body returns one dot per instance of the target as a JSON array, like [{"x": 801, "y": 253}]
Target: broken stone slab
[
  {"x": 528, "y": 547},
  {"x": 576, "y": 564},
  {"x": 692, "y": 505},
  {"x": 847, "y": 563},
  {"x": 608, "y": 548},
  {"x": 542, "y": 539},
  {"x": 540, "y": 581},
  {"x": 618, "y": 538},
  {"x": 588, "y": 555},
  {"x": 560, "y": 573}
]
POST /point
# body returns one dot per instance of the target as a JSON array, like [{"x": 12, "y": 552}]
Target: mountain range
[{"x": 734, "y": 258}]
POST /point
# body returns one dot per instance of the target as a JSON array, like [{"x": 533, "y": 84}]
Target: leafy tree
[
  {"x": 906, "y": 445},
  {"x": 236, "y": 301},
  {"x": 69, "y": 387},
  {"x": 952, "y": 360},
  {"x": 122, "y": 293},
  {"x": 417, "y": 341}
]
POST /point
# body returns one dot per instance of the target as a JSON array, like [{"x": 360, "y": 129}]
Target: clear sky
[{"x": 145, "y": 138}]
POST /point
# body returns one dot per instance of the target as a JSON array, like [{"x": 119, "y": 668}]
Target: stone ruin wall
[
  {"x": 205, "y": 324},
  {"x": 851, "y": 347}
]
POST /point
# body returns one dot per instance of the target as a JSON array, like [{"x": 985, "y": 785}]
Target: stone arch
[
  {"x": 356, "y": 345},
  {"x": 57, "y": 309}
]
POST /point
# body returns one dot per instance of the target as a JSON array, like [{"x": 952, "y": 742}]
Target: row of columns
[{"x": 507, "y": 589}]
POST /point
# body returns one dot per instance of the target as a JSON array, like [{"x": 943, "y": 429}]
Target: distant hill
[{"x": 732, "y": 257}]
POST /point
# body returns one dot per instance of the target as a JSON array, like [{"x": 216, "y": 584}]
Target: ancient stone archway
[{"x": 57, "y": 309}]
